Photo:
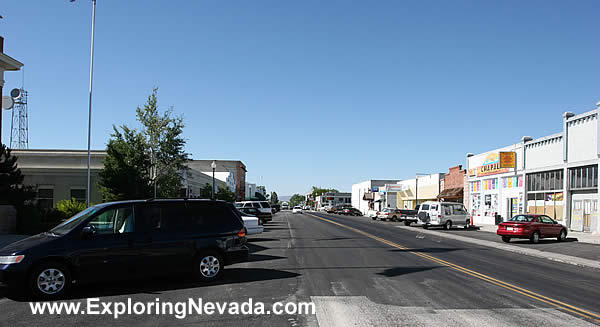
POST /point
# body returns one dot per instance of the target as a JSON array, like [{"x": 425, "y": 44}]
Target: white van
[
  {"x": 262, "y": 206},
  {"x": 446, "y": 214}
]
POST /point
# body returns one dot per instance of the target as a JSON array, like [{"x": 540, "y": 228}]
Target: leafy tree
[
  {"x": 274, "y": 198},
  {"x": 225, "y": 194},
  {"x": 206, "y": 191},
  {"x": 12, "y": 190},
  {"x": 139, "y": 160},
  {"x": 70, "y": 207},
  {"x": 316, "y": 191},
  {"x": 296, "y": 199}
]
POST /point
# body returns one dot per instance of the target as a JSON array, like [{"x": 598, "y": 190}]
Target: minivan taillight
[{"x": 242, "y": 233}]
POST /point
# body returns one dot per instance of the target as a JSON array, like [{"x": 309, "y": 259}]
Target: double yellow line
[{"x": 561, "y": 305}]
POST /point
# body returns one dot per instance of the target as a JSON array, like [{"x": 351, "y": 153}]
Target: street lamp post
[
  {"x": 89, "y": 152},
  {"x": 213, "y": 165}
]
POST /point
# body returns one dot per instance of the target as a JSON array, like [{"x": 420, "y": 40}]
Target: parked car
[
  {"x": 263, "y": 206},
  {"x": 339, "y": 209},
  {"x": 446, "y": 214},
  {"x": 351, "y": 212},
  {"x": 264, "y": 217},
  {"x": 297, "y": 209},
  {"x": 253, "y": 225},
  {"x": 127, "y": 239},
  {"x": 388, "y": 214},
  {"x": 533, "y": 227},
  {"x": 275, "y": 208},
  {"x": 306, "y": 208},
  {"x": 409, "y": 216}
]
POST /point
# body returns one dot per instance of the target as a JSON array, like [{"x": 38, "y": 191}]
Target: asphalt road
[{"x": 360, "y": 272}]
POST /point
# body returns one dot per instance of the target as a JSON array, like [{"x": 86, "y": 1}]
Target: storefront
[{"x": 495, "y": 185}]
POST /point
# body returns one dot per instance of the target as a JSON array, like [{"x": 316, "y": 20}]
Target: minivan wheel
[
  {"x": 209, "y": 266},
  {"x": 535, "y": 237},
  {"x": 425, "y": 226},
  {"x": 448, "y": 225},
  {"x": 50, "y": 280},
  {"x": 407, "y": 223},
  {"x": 562, "y": 236}
]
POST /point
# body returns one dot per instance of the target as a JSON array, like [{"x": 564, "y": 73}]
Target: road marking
[{"x": 564, "y": 306}]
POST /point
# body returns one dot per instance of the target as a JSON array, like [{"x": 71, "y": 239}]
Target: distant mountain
[{"x": 285, "y": 198}]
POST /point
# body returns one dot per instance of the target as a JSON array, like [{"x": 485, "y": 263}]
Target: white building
[
  {"x": 366, "y": 195},
  {"x": 414, "y": 191},
  {"x": 332, "y": 199},
  {"x": 250, "y": 190},
  {"x": 226, "y": 177},
  {"x": 555, "y": 175}
]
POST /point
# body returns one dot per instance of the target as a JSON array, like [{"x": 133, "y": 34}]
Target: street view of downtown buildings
[{"x": 299, "y": 164}]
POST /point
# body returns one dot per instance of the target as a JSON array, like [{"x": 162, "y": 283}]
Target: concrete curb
[{"x": 530, "y": 252}]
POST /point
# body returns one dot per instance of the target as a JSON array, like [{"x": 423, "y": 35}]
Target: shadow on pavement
[
  {"x": 167, "y": 283},
  {"x": 262, "y": 239},
  {"x": 542, "y": 241},
  {"x": 263, "y": 257},
  {"x": 428, "y": 250},
  {"x": 399, "y": 271}
]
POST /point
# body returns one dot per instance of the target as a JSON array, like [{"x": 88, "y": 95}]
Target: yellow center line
[{"x": 514, "y": 288}]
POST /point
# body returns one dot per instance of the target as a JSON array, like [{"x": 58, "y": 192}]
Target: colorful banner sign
[{"x": 491, "y": 166}]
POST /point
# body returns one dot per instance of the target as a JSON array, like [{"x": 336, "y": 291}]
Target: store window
[
  {"x": 545, "y": 193},
  {"x": 585, "y": 177}
]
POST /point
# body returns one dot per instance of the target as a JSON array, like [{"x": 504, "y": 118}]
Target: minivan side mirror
[{"x": 87, "y": 231}]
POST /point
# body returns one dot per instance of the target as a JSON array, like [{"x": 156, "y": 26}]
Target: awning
[
  {"x": 368, "y": 196},
  {"x": 452, "y": 193}
]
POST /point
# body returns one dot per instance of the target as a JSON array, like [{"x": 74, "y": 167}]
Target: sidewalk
[
  {"x": 570, "y": 251},
  {"x": 592, "y": 238}
]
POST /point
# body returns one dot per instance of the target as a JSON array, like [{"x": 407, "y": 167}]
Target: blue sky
[{"x": 305, "y": 93}]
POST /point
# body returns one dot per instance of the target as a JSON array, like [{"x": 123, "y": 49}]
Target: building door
[
  {"x": 584, "y": 209},
  {"x": 512, "y": 207}
]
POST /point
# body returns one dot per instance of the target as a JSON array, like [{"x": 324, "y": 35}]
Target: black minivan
[{"x": 121, "y": 240}]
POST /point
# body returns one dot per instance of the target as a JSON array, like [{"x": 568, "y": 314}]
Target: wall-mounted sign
[
  {"x": 491, "y": 166},
  {"x": 472, "y": 172},
  {"x": 396, "y": 188},
  {"x": 375, "y": 189},
  {"x": 508, "y": 160}
]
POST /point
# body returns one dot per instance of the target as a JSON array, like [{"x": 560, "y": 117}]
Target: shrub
[{"x": 70, "y": 208}]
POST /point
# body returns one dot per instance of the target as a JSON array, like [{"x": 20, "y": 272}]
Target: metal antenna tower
[{"x": 19, "y": 127}]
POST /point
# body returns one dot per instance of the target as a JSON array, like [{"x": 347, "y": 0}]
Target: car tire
[
  {"x": 506, "y": 239},
  {"x": 425, "y": 226},
  {"x": 448, "y": 225},
  {"x": 394, "y": 218},
  {"x": 407, "y": 223},
  {"x": 374, "y": 218},
  {"x": 50, "y": 280},
  {"x": 209, "y": 266},
  {"x": 562, "y": 236},
  {"x": 535, "y": 237}
]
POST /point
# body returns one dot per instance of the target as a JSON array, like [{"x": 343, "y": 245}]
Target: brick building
[{"x": 453, "y": 185}]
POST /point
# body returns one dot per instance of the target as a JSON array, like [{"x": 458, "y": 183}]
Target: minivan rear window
[
  {"x": 265, "y": 204},
  {"x": 256, "y": 205},
  {"x": 425, "y": 207}
]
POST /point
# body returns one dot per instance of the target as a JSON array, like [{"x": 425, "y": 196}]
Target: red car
[{"x": 532, "y": 227}]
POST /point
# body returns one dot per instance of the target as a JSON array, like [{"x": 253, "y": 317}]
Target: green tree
[
  {"x": 274, "y": 198},
  {"x": 316, "y": 191},
  {"x": 296, "y": 199},
  {"x": 70, "y": 207},
  {"x": 12, "y": 190},
  {"x": 225, "y": 194},
  {"x": 137, "y": 161}
]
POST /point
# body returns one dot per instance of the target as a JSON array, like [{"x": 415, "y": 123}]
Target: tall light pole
[
  {"x": 89, "y": 152},
  {"x": 213, "y": 165}
]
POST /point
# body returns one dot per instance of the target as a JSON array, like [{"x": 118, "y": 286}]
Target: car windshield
[
  {"x": 68, "y": 225},
  {"x": 522, "y": 218}
]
